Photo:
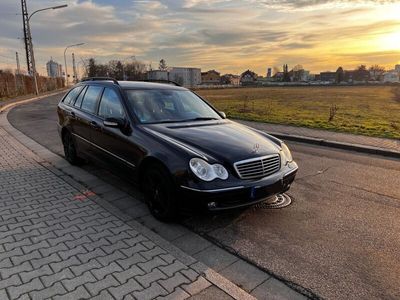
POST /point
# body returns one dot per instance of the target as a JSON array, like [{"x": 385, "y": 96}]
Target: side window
[
  {"x": 110, "y": 105},
  {"x": 78, "y": 101},
  {"x": 71, "y": 96},
  {"x": 89, "y": 102}
]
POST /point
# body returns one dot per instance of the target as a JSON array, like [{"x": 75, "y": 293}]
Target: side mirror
[
  {"x": 122, "y": 124},
  {"x": 222, "y": 114}
]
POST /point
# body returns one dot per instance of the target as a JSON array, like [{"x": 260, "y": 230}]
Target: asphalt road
[{"x": 340, "y": 238}]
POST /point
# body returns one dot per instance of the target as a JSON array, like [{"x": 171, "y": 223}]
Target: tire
[
  {"x": 159, "y": 193},
  {"x": 70, "y": 152}
]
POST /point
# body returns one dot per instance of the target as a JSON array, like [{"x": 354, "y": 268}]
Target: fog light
[{"x": 212, "y": 205}]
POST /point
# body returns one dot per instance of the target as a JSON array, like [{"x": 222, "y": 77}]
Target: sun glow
[{"x": 389, "y": 41}]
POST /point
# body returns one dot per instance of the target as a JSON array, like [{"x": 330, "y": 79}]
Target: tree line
[{"x": 134, "y": 70}]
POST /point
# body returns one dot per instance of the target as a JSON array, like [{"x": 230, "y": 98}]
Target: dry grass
[{"x": 372, "y": 111}]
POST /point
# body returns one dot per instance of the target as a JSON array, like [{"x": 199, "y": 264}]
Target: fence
[{"x": 16, "y": 85}]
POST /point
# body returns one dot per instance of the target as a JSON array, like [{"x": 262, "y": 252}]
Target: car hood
[{"x": 224, "y": 141}]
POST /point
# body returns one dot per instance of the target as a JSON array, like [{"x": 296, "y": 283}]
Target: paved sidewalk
[
  {"x": 389, "y": 144},
  {"x": 57, "y": 241}
]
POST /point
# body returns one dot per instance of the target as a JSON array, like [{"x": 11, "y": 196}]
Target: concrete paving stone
[
  {"x": 6, "y": 263},
  {"x": 56, "y": 289},
  {"x": 16, "y": 291},
  {"x": 273, "y": 289},
  {"x": 177, "y": 294},
  {"x": 173, "y": 282},
  {"x": 79, "y": 293},
  {"x": 153, "y": 291},
  {"x": 149, "y": 254},
  {"x": 71, "y": 283},
  {"x": 14, "y": 280},
  {"x": 124, "y": 276},
  {"x": 24, "y": 267},
  {"x": 171, "y": 268},
  {"x": 211, "y": 293},
  {"x": 215, "y": 257},
  {"x": 197, "y": 286},
  {"x": 191, "y": 243},
  {"x": 103, "y": 295},
  {"x": 55, "y": 249},
  {"x": 146, "y": 279},
  {"x": 71, "y": 252},
  {"x": 245, "y": 275},
  {"x": 97, "y": 244},
  {"x": 42, "y": 271},
  {"x": 122, "y": 290},
  {"x": 114, "y": 246},
  {"x": 114, "y": 195},
  {"x": 95, "y": 287},
  {"x": 104, "y": 271},
  {"x": 113, "y": 257},
  {"x": 81, "y": 268},
  {"x": 149, "y": 265},
  {"x": 53, "y": 278},
  {"x": 17, "y": 260},
  {"x": 70, "y": 262}
]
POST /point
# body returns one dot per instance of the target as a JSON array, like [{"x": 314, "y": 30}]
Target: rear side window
[
  {"x": 110, "y": 105},
  {"x": 78, "y": 101},
  {"x": 89, "y": 102},
  {"x": 71, "y": 96}
]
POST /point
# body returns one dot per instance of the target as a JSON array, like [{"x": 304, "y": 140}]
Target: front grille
[{"x": 258, "y": 167}]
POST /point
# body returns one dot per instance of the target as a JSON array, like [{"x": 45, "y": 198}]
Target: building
[
  {"x": 189, "y": 77},
  {"x": 248, "y": 78},
  {"x": 157, "y": 75},
  {"x": 211, "y": 77},
  {"x": 328, "y": 77},
  {"x": 230, "y": 79},
  {"x": 391, "y": 77},
  {"x": 269, "y": 73},
  {"x": 53, "y": 69}
]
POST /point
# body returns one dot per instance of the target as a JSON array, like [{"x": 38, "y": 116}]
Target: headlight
[
  {"x": 207, "y": 172},
  {"x": 286, "y": 155}
]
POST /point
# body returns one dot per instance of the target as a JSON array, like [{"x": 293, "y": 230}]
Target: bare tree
[
  {"x": 376, "y": 71},
  {"x": 163, "y": 65}
]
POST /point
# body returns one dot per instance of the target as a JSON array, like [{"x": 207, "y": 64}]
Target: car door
[
  {"x": 116, "y": 143},
  {"x": 85, "y": 118}
]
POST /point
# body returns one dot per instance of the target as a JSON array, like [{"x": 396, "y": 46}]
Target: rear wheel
[
  {"x": 159, "y": 193},
  {"x": 70, "y": 150}
]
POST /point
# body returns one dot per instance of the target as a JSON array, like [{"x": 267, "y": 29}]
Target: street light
[
  {"x": 31, "y": 44},
  {"x": 65, "y": 60}
]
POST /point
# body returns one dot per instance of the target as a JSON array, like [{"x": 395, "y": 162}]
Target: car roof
[{"x": 127, "y": 85}]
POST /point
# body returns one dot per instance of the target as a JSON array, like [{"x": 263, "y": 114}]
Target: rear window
[
  {"x": 71, "y": 96},
  {"x": 92, "y": 95}
]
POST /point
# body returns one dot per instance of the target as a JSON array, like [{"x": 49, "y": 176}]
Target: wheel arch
[{"x": 146, "y": 163}]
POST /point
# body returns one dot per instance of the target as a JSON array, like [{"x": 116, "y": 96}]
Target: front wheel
[
  {"x": 70, "y": 150},
  {"x": 159, "y": 194}
]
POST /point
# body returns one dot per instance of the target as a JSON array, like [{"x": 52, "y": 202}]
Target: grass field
[{"x": 366, "y": 110}]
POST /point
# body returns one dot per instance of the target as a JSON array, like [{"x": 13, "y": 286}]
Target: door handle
[{"x": 94, "y": 125}]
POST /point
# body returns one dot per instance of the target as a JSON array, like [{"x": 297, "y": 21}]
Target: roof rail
[
  {"x": 100, "y": 78},
  {"x": 161, "y": 81}
]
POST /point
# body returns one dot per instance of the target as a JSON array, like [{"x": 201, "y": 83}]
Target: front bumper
[{"x": 244, "y": 194}]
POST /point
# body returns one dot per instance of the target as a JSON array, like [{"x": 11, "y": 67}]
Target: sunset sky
[{"x": 226, "y": 35}]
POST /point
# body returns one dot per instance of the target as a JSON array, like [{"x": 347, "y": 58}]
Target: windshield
[{"x": 168, "y": 106}]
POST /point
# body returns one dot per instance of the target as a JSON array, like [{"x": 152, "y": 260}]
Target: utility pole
[
  {"x": 74, "y": 69},
  {"x": 30, "y": 60},
  {"x": 18, "y": 66}
]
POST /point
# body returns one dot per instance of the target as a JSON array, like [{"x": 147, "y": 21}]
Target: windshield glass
[{"x": 165, "y": 106}]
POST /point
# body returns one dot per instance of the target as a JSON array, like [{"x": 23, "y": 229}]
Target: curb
[
  {"x": 337, "y": 145},
  {"x": 65, "y": 172},
  {"x": 12, "y": 104}
]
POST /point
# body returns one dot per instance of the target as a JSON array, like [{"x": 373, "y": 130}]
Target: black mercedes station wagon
[{"x": 178, "y": 147}]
